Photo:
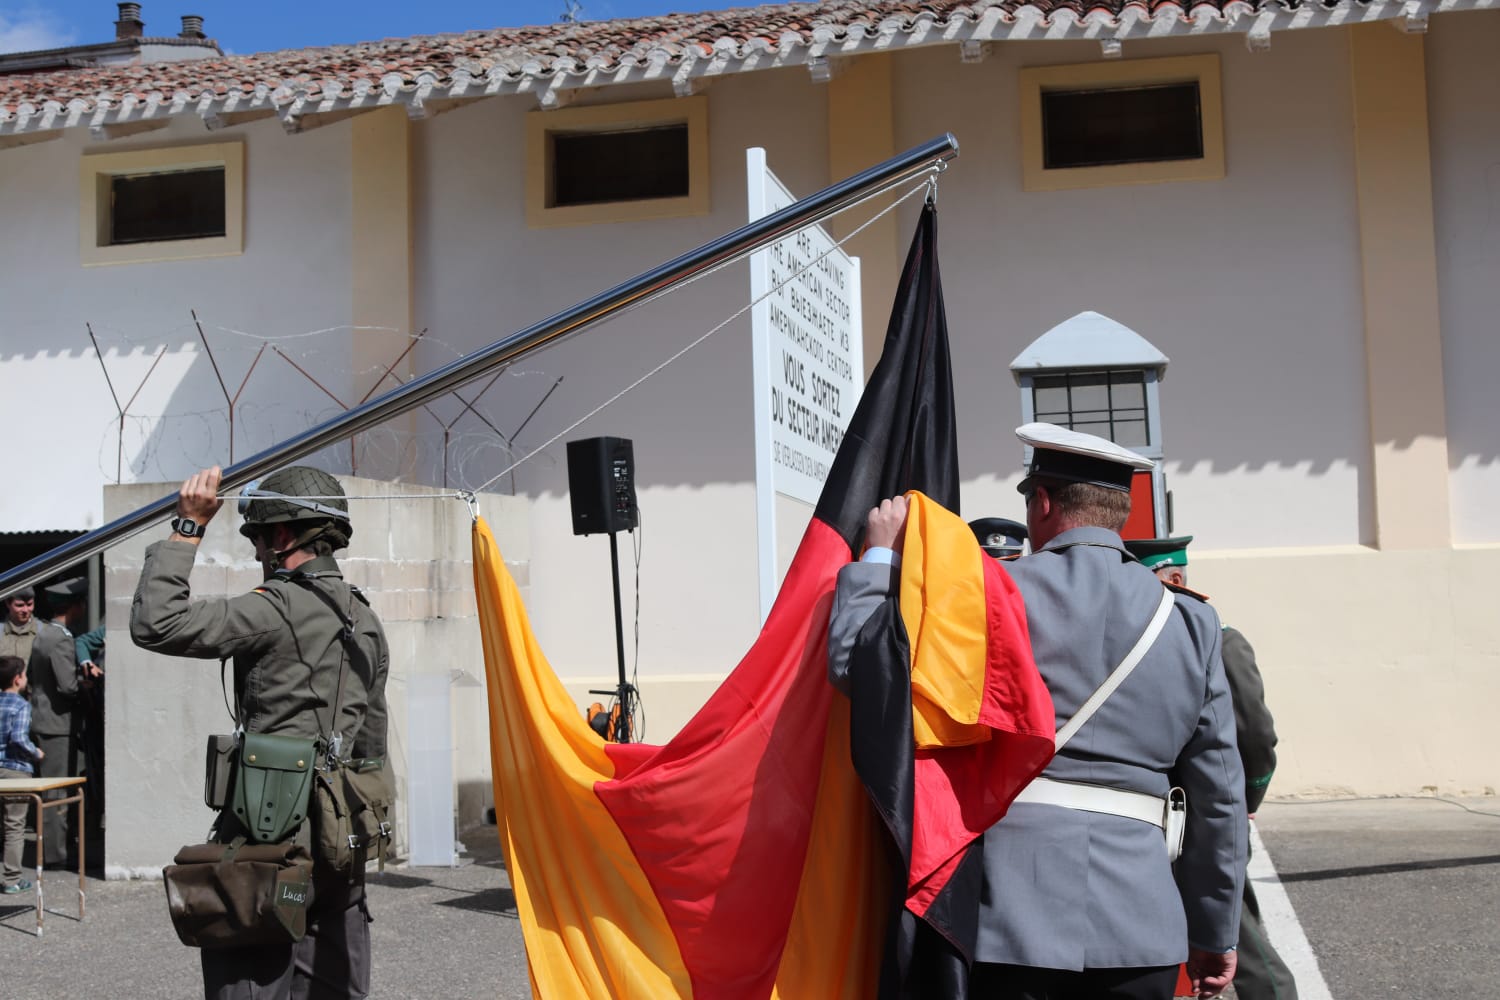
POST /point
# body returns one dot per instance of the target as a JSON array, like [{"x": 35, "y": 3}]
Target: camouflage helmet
[{"x": 280, "y": 498}]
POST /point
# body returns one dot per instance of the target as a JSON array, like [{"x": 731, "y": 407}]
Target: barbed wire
[{"x": 310, "y": 389}]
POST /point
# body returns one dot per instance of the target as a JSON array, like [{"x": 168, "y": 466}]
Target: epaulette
[
  {"x": 62, "y": 628},
  {"x": 1185, "y": 592}
]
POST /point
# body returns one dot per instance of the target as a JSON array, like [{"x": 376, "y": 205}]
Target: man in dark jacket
[
  {"x": 295, "y": 674},
  {"x": 1262, "y": 975}
]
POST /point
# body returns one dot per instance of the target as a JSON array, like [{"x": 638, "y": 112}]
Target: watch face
[{"x": 185, "y": 527}]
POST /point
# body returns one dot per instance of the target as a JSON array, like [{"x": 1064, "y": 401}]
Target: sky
[{"x": 244, "y": 26}]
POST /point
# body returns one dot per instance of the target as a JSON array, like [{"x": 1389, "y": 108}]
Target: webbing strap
[{"x": 1137, "y": 653}]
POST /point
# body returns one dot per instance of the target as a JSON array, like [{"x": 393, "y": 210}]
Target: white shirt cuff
[{"x": 882, "y": 556}]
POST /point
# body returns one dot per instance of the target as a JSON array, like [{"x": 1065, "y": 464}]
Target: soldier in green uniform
[
  {"x": 293, "y": 675},
  {"x": 52, "y": 671},
  {"x": 1261, "y": 975}
]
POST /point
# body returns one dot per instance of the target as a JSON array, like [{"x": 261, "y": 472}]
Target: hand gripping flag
[{"x": 743, "y": 860}]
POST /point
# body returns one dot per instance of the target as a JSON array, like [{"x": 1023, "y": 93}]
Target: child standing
[{"x": 17, "y": 757}]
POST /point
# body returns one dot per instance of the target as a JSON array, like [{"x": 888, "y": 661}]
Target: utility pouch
[
  {"x": 369, "y": 795},
  {"x": 218, "y": 773},
  {"x": 351, "y": 803},
  {"x": 238, "y": 895},
  {"x": 273, "y": 781},
  {"x": 1175, "y": 822},
  {"x": 331, "y": 826}
]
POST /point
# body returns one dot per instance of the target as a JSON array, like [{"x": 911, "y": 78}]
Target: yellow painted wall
[
  {"x": 1403, "y": 333},
  {"x": 381, "y": 269},
  {"x": 861, "y": 133}
]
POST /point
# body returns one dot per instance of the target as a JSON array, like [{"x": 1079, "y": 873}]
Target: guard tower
[{"x": 1098, "y": 376}]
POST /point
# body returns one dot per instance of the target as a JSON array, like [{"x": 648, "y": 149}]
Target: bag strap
[
  {"x": 234, "y": 709},
  {"x": 1137, "y": 653},
  {"x": 352, "y": 651}
]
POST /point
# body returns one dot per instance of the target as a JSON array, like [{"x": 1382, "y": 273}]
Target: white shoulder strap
[{"x": 1136, "y": 654}]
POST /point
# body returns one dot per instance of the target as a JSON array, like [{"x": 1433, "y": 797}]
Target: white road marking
[{"x": 1281, "y": 924}]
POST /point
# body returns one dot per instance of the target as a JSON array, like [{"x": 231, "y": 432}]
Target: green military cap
[{"x": 1154, "y": 553}]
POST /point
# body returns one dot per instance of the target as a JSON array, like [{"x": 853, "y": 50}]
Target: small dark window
[
  {"x": 1109, "y": 404},
  {"x": 626, "y": 165},
  {"x": 168, "y": 205},
  {"x": 1095, "y": 128}
]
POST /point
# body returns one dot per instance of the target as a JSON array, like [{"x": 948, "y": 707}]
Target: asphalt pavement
[
  {"x": 1395, "y": 897},
  {"x": 438, "y": 932}
]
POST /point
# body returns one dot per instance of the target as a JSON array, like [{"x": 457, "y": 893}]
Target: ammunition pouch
[
  {"x": 351, "y": 813},
  {"x": 218, "y": 771},
  {"x": 272, "y": 785},
  {"x": 238, "y": 895}
]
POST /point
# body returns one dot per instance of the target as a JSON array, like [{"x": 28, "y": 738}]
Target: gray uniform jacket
[
  {"x": 285, "y": 644},
  {"x": 52, "y": 675},
  {"x": 1066, "y": 889}
]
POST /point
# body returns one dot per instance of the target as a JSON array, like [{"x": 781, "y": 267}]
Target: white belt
[{"x": 1096, "y": 798}]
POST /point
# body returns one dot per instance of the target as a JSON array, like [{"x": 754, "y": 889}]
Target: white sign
[{"x": 808, "y": 358}]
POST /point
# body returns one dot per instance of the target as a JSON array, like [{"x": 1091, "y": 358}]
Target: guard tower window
[
  {"x": 167, "y": 205},
  {"x": 1095, "y": 128},
  {"x": 620, "y": 165},
  {"x": 1110, "y": 404}
]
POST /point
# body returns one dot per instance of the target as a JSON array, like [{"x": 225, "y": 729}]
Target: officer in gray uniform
[
  {"x": 52, "y": 670},
  {"x": 1262, "y": 975},
  {"x": 286, "y": 644},
  {"x": 1080, "y": 898}
]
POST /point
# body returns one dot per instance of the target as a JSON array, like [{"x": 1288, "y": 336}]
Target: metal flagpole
[{"x": 728, "y": 248}]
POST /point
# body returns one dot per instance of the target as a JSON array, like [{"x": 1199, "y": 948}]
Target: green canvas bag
[
  {"x": 238, "y": 895},
  {"x": 273, "y": 782}
]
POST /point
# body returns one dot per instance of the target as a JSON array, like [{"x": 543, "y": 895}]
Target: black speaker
[{"x": 601, "y": 485}]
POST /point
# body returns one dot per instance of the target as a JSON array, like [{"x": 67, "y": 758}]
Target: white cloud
[{"x": 29, "y": 29}]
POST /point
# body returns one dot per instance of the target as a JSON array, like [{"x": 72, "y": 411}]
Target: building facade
[{"x": 1322, "y": 269}]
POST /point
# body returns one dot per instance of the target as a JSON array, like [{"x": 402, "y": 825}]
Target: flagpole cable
[
  {"x": 467, "y": 496},
  {"x": 921, "y": 187}
]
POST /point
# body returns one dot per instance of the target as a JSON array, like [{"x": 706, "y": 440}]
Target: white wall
[
  {"x": 482, "y": 274},
  {"x": 293, "y": 278},
  {"x": 1250, "y": 284},
  {"x": 1463, "y": 93}
]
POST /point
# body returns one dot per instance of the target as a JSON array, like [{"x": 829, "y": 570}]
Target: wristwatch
[{"x": 187, "y": 527}]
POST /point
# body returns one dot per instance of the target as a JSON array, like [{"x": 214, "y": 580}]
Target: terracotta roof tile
[{"x": 509, "y": 60}]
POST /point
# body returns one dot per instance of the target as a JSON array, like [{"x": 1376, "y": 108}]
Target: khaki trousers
[{"x": 15, "y": 829}]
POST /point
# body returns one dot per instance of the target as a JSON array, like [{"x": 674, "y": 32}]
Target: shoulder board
[
  {"x": 61, "y": 628},
  {"x": 359, "y": 594},
  {"x": 271, "y": 586},
  {"x": 1185, "y": 592}
]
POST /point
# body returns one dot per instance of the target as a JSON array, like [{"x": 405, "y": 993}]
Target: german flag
[{"x": 744, "y": 859}]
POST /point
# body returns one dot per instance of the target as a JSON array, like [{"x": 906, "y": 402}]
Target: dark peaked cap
[
  {"x": 999, "y": 535},
  {"x": 1071, "y": 456},
  {"x": 74, "y": 587}
]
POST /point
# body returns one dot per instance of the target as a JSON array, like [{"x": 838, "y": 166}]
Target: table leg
[
  {"x": 82, "y": 845},
  {"x": 40, "y": 845}
]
